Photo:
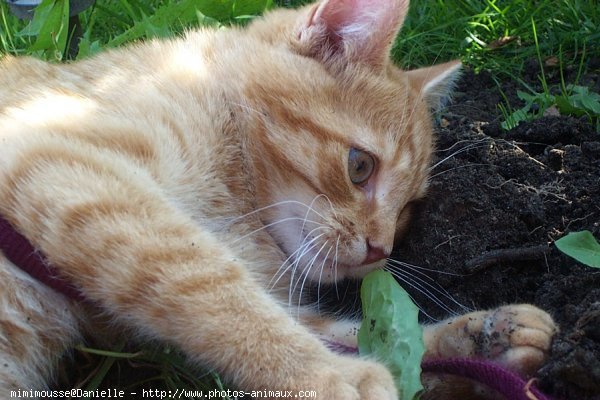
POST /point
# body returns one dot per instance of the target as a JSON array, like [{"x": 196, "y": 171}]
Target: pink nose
[{"x": 375, "y": 253}]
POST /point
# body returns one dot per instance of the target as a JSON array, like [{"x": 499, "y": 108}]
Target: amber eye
[{"x": 360, "y": 166}]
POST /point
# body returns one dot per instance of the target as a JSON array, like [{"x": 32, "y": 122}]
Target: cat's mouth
[
  {"x": 364, "y": 266},
  {"x": 336, "y": 271}
]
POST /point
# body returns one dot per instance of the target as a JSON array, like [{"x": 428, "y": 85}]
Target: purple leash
[
  {"x": 493, "y": 375},
  {"x": 21, "y": 253}
]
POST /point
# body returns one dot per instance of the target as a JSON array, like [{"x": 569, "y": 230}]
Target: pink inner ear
[
  {"x": 336, "y": 14},
  {"x": 364, "y": 28}
]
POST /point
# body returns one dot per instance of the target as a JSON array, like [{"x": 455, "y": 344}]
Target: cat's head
[{"x": 345, "y": 139}]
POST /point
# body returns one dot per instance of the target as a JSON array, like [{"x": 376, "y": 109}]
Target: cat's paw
[
  {"x": 347, "y": 378},
  {"x": 517, "y": 336}
]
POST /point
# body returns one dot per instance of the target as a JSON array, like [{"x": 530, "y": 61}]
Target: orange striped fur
[{"x": 186, "y": 186}]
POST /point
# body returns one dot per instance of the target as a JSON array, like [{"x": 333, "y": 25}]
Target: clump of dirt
[{"x": 497, "y": 202}]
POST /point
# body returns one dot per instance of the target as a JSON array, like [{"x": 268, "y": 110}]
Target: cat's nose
[{"x": 375, "y": 252}]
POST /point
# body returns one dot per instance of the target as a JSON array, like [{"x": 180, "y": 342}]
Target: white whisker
[
  {"x": 470, "y": 141},
  {"x": 422, "y": 309},
  {"x": 406, "y": 278},
  {"x": 433, "y": 285},
  {"x": 337, "y": 245},
  {"x": 330, "y": 204},
  {"x": 305, "y": 272},
  {"x": 302, "y": 248},
  {"x": 426, "y": 288},
  {"x": 416, "y": 267},
  {"x": 320, "y": 276},
  {"x": 275, "y": 223},
  {"x": 461, "y": 166},
  {"x": 278, "y": 204},
  {"x": 403, "y": 279},
  {"x": 309, "y": 265},
  {"x": 457, "y": 152},
  {"x": 310, "y": 208},
  {"x": 295, "y": 267},
  {"x": 308, "y": 271}
]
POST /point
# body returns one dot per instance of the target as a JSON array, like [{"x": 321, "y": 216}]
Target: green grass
[
  {"x": 112, "y": 23},
  {"x": 474, "y": 31},
  {"x": 497, "y": 36},
  {"x": 150, "y": 368},
  {"x": 500, "y": 37}
]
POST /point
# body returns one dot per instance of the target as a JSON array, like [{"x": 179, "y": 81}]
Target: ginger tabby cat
[{"x": 185, "y": 186}]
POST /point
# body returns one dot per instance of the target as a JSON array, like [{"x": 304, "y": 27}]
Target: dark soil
[{"x": 495, "y": 208}]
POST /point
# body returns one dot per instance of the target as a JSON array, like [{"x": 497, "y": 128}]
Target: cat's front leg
[
  {"x": 119, "y": 239},
  {"x": 516, "y": 336}
]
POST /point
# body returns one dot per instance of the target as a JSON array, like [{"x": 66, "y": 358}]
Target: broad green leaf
[
  {"x": 567, "y": 106},
  {"x": 582, "y": 246},
  {"x": 51, "y": 25},
  {"x": 391, "y": 332},
  {"x": 50, "y": 15},
  {"x": 39, "y": 17},
  {"x": 591, "y": 103}
]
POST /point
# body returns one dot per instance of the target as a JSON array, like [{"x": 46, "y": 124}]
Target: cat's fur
[{"x": 146, "y": 175}]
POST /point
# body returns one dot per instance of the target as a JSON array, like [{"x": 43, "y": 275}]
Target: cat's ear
[
  {"x": 435, "y": 83},
  {"x": 340, "y": 32}
]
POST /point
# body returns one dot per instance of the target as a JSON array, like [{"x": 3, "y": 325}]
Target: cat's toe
[
  {"x": 517, "y": 336},
  {"x": 376, "y": 382},
  {"x": 361, "y": 380}
]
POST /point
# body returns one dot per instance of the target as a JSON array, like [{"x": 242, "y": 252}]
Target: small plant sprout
[{"x": 582, "y": 246}]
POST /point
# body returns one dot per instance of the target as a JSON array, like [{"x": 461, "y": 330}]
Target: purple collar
[{"x": 21, "y": 253}]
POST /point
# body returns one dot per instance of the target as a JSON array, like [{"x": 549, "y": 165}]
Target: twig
[{"x": 506, "y": 255}]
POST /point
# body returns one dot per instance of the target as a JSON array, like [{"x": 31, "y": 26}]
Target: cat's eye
[{"x": 360, "y": 166}]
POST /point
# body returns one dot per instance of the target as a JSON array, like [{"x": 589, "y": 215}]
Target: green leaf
[
  {"x": 515, "y": 118},
  {"x": 50, "y": 24},
  {"x": 591, "y": 103},
  {"x": 168, "y": 15},
  {"x": 39, "y": 17},
  {"x": 526, "y": 97},
  {"x": 582, "y": 246},
  {"x": 88, "y": 48},
  {"x": 566, "y": 106},
  {"x": 391, "y": 332},
  {"x": 221, "y": 10}
]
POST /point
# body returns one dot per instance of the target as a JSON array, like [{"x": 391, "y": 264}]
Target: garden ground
[{"x": 495, "y": 209}]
